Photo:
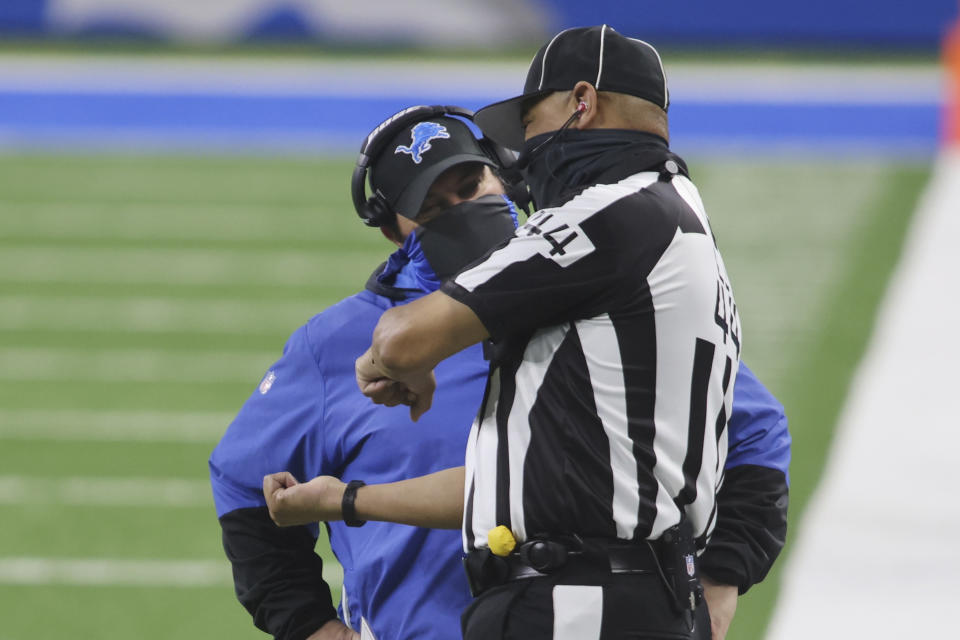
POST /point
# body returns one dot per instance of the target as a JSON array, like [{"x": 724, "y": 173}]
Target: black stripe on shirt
[
  {"x": 468, "y": 518},
  {"x": 569, "y": 453},
  {"x": 637, "y": 336},
  {"x": 722, "y": 416},
  {"x": 507, "y": 392},
  {"x": 699, "y": 387}
]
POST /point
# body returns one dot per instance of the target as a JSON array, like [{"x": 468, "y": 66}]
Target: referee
[{"x": 593, "y": 464}]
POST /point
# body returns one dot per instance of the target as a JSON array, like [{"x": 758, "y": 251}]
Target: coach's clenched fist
[{"x": 292, "y": 503}]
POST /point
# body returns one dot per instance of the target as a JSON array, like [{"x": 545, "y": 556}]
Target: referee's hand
[
  {"x": 415, "y": 391},
  {"x": 293, "y": 503}
]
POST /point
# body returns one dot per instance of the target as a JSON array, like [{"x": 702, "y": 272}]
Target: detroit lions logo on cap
[{"x": 421, "y": 136}]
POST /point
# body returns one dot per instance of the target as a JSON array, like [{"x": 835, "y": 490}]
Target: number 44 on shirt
[{"x": 563, "y": 243}]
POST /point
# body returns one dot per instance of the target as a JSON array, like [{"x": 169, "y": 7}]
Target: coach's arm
[
  {"x": 277, "y": 572},
  {"x": 752, "y": 505},
  {"x": 278, "y": 578}
]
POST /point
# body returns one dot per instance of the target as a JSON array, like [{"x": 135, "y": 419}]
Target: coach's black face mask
[
  {"x": 575, "y": 157},
  {"x": 466, "y": 233}
]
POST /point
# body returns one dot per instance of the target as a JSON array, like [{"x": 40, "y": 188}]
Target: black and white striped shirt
[{"x": 617, "y": 343}]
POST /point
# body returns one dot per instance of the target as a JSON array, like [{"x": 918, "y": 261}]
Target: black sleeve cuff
[
  {"x": 277, "y": 574},
  {"x": 751, "y": 526}
]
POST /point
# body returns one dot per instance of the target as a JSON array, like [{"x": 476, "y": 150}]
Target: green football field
[{"x": 142, "y": 298}]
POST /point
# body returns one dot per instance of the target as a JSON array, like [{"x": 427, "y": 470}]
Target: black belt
[{"x": 542, "y": 557}]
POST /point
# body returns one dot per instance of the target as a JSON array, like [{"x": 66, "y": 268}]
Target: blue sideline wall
[
  {"x": 904, "y": 24},
  {"x": 918, "y": 24}
]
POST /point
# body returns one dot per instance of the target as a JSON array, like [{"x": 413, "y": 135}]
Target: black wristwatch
[{"x": 347, "y": 507}]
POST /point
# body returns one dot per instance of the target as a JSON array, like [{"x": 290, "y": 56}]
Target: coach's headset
[{"x": 375, "y": 211}]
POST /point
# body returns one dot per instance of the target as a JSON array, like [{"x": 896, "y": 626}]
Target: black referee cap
[{"x": 599, "y": 55}]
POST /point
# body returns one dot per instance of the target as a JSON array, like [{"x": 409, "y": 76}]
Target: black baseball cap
[
  {"x": 415, "y": 157},
  {"x": 599, "y": 55}
]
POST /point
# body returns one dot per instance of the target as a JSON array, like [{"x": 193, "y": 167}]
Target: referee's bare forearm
[
  {"x": 410, "y": 340},
  {"x": 434, "y": 501}
]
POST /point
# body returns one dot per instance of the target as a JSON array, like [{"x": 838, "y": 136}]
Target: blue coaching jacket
[{"x": 308, "y": 417}]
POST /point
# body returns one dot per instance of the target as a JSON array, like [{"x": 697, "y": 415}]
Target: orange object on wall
[{"x": 951, "y": 63}]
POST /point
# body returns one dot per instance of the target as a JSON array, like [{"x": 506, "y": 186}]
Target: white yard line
[
  {"x": 113, "y": 425},
  {"x": 149, "y": 314},
  {"x": 105, "y": 492},
  {"x": 779, "y": 83},
  {"x": 764, "y": 82},
  {"x": 99, "y": 572},
  {"x": 133, "y": 365},
  {"x": 114, "y": 572},
  {"x": 40, "y": 263},
  {"x": 195, "y": 221},
  {"x": 351, "y": 78},
  {"x": 876, "y": 555}
]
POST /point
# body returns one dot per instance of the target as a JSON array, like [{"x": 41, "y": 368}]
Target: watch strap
[{"x": 348, "y": 508}]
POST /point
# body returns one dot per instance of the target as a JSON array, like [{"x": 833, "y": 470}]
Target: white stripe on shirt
[{"x": 606, "y": 376}]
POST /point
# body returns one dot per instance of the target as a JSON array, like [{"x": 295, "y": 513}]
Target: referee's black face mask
[
  {"x": 466, "y": 233},
  {"x": 555, "y": 162}
]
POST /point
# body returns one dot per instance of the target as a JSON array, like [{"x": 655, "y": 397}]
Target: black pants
[{"x": 581, "y": 606}]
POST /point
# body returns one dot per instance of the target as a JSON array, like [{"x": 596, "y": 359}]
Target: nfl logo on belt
[{"x": 691, "y": 568}]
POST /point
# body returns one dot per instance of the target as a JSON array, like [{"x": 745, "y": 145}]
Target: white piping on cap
[
  {"x": 603, "y": 33},
  {"x": 666, "y": 93},
  {"x": 386, "y": 123},
  {"x": 543, "y": 63}
]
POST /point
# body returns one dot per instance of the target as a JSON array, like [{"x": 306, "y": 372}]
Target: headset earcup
[
  {"x": 505, "y": 158},
  {"x": 377, "y": 212}
]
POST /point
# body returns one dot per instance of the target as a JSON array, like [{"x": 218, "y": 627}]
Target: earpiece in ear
[{"x": 583, "y": 106}]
